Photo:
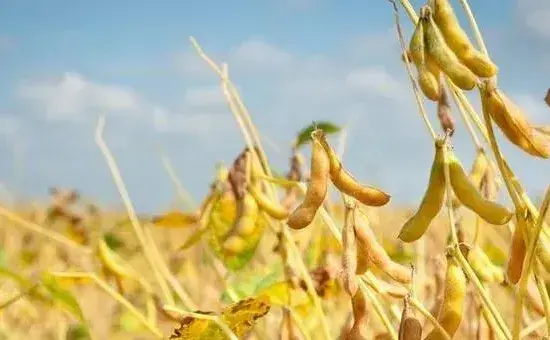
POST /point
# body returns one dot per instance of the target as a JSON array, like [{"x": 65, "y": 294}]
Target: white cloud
[
  {"x": 317, "y": 88},
  {"x": 533, "y": 107},
  {"x": 255, "y": 54},
  {"x": 190, "y": 64},
  {"x": 9, "y": 125},
  {"x": 251, "y": 55},
  {"x": 199, "y": 96},
  {"x": 196, "y": 123},
  {"x": 71, "y": 97},
  {"x": 535, "y": 15},
  {"x": 374, "y": 80},
  {"x": 379, "y": 44}
]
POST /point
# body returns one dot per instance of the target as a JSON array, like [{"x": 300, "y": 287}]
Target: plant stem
[
  {"x": 414, "y": 86},
  {"x": 138, "y": 231},
  {"x": 528, "y": 265},
  {"x": 460, "y": 258},
  {"x": 241, "y": 115},
  {"x": 379, "y": 310},
  {"x": 545, "y": 298},
  {"x": 465, "y": 118},
  {"x": 183, "y": 194},
  {"x": 18, "y": 296},
  {"x": 426, "y": 313},
  {"x": 532, "y": 327},
  {"x": 115, "y": 295}
]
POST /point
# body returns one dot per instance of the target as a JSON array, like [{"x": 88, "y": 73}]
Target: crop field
[{"x": 307, "y": 252}]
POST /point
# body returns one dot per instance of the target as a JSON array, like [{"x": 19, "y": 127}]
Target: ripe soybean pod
[
  {"x": 479, "y": 170},
  {"x": 363, "y": 262},
  {"x": 410, "y": 327},
  {"x": 360, "y": 317},
  {"x": 518, "y": 250},
  {"x": 385, "y": 288},
  {"x": 273, "y": 209},
  {"x": 377, "y": 254},
  {"x": 349, "y": 254},
  {"x": 444, "y": 111},
  {"x": 458, "y": 40},
  {"x": 432, "y": 202},
  {"x": 317, "y": 188},
  {"x": 346, "y": 183},
  {"x": 452, "y": 307},
  {"x": 445, "y": 58},
  {"x": 512, "y": 121},
  {"x": 432, "y": 67},
  {"x": 469, "y": 195},
  {"x": 483, "y": 267},
  {"x": 428, "y": 80}
]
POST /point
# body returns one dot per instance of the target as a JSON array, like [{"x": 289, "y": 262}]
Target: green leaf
[
  {"x": 64, "y": 298},
  {"x": 304, "y": 136},
  {"x": 279, "y": 293}
]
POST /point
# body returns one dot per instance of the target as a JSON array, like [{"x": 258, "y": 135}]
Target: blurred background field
[{"x": 203, "y": 277}]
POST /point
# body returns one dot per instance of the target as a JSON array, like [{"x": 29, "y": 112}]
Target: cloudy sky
[{"x": 62, "y": 63}]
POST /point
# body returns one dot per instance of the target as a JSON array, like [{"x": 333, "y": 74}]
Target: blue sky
[{"x": 295, "y": 61}]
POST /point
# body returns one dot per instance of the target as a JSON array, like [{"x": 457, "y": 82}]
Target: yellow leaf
[
  {"x": 278, "y": 294},
  {"x": 176, "y": 219},
  {"x": 194, "y": 238},
  {"x": 191, "y": 328},
  {"x": 67, "y": 281},
  {"x": 220, "y": 221},
  {"x": 304, "y": 310},
  {"x": 240, "y": 317}
]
